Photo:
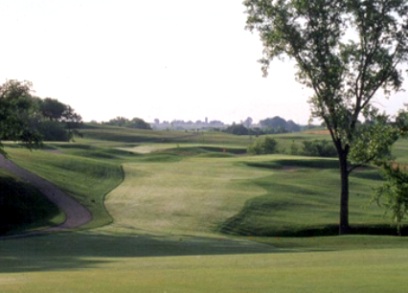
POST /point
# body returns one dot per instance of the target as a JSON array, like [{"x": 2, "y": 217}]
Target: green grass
[
  {"x": 171, "y": 206},
  {"x": 301, "y": 198},
  {"x": 86, "y": 179},
  {"x": 22, "y": 207},
  {"x": 127, "y": 137},
  {"x": 400, "y": 151},
  {"x": 97, "y": 262}
]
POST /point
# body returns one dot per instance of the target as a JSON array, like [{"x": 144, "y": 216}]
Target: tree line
[{"x": 30, "y": 120}]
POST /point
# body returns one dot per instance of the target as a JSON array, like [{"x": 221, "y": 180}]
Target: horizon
[{"x": 167, "y": 60}]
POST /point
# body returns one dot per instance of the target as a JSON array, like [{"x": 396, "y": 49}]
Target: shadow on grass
[
  {"x": 236, "y": 226},
  {"x": 76, "y": 250},
  {"x": 297, "y": 163},
  {"x": 23, "y": 207}
]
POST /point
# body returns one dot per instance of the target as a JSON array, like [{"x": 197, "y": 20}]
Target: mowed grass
[
  {"x": 254, "y": 196},
  {"x": 166, "y": 236},
  {"x": 344, "y": 271},
  {"x": 194, "y": 195}
]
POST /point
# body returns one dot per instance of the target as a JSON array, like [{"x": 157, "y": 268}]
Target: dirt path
[{"x": 76, "y": 215}]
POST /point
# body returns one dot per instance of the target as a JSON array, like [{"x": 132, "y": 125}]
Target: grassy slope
[
  {"x": 189, "y": 196},
  {"x": 23, "y": 208},
  {"x": 87, "y": 178},
  {"x": 126, "y": 257}
]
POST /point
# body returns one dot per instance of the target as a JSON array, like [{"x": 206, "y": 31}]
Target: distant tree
[
  {"x": 319, "y": 148},
  {"x": 18, "y": 113},
  {"x": 118, "y": 121},
  {"x": 72, "y": 120},
  {"x": 248, "y": 122},
  {"x": 279, "y": 125},
  {"x": 139, "y": 123},
  {"x": 264, "y": 145},
  {"x": 237, "y": 129},
  {"x": 52, "y": 109},
  {"x": 345, "y": 50},
  {"x": 124, "y": 122},
  {"x": 60, "y": 122}
]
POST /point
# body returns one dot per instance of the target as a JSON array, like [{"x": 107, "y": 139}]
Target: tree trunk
[{"x": 344, "y": 227}]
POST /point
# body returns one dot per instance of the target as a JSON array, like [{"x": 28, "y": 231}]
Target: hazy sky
[{"x": 179, "y": 59}]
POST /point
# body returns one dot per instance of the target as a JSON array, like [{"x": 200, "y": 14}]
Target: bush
[
  {"x": 319, "y": 148},
  {"x": 266, "y": 145},
  {"x": 53, "y": 131}
]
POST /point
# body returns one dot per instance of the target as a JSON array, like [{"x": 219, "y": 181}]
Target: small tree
[
  {"x": 264, "y": 145},
  {"x": 61, "y": 121},
  {"x": 18, "y": 114},
  {"x": 393, "y": 194},
  {"x": 345, "y": 51}
]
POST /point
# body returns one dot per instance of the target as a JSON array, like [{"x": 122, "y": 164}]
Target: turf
[
  {"x": 22, "y": 207},
  {"x": 172, "y": 206},
  {"x": 86, "y": 179}
]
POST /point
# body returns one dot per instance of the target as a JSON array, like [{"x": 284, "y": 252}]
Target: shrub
[
  {"x": 265, "y": 145},
  {"x": 319, "y": 148}
]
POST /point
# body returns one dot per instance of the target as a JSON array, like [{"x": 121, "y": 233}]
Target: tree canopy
[
  {"x": 346, "y": 51},
  {"x": 133, "y": 123},
  {"x": 18, "y": 114},
  {"x": 30, "y": 120}
]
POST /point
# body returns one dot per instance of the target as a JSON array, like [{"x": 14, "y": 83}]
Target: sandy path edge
[{"x": 76, "y": 215}]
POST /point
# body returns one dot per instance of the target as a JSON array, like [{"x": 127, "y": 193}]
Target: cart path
[{"x": 76, "y": 215}]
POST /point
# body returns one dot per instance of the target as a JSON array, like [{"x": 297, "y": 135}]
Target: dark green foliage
[
  {"x": 124, "y": 122},
  {"x": 237, "y": 129},
  {"x": 18, "y": 114},
  {"x": 374, "y": 140},
  {"x": 393, "y": 194},
  {"x": 53, "y": 131},
  {"x": 264, "y": 145},
  {"x": 319, "y": 148},
  {"x": 345, "y": 51},
  {"x": 52, "y": 109},
  {"x": 60, "y": 118},
  {"x": 30, "y": 120},
  {"x": 278, "y": 125}
]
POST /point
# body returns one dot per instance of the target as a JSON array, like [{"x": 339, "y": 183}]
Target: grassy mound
[
  {"x": 23, "y": 207},
  {"x": 301, "y": 199},
  {"x": 87, "y": 178}
]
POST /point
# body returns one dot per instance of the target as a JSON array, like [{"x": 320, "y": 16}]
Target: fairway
[
  {"x": 341, "y": 271},
  {"x": 188, "y": 218},
  {"x": 192, "y": 196}
]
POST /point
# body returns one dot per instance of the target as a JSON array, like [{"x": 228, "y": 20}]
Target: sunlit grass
[
  {"x": 189, "y": 196},
  {"x": 338, "y": 271},
  {"x": 167, "y": 218}
]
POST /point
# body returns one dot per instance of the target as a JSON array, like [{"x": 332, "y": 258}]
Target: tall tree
[
  {"x": 18, "y": 112},
  {"x": 52, "y": 109},
  {"x": 345, "y": 50},
  {"x": 61, "y": 121}
]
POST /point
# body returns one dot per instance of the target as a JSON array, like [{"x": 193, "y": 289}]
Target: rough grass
[{"x": 86, "y": 179}]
